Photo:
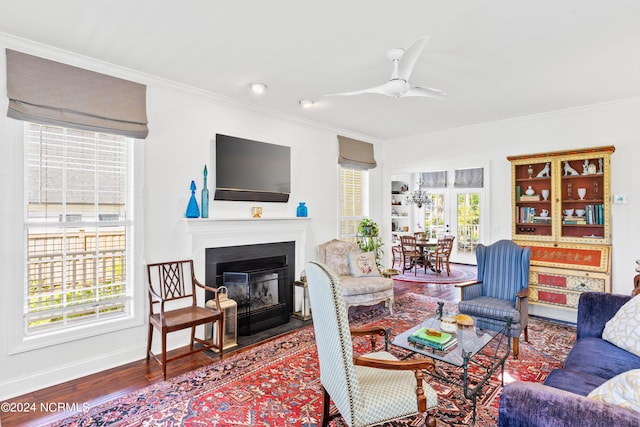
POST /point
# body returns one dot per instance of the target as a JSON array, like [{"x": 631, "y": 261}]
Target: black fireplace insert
[{"x": 259, "y": 278}]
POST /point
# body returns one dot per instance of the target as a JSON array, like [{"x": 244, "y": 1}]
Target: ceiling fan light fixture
[
  {"x": 258, "y": 88},
  {"x": 306, "y": 103},
  {"x": 398, "y": 84}
]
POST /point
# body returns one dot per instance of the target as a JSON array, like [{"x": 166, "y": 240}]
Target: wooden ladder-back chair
[
  {"x": 440, "y": 257},
  {"x": 412, "y": 256},
  {"x": 170, "y": 283},
  {"x": 396, "y": 251}
]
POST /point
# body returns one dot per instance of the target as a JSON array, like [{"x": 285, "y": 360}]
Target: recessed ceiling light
[
  {"x": 306, "y": 103},
  {"x": 258, "y": 87}
]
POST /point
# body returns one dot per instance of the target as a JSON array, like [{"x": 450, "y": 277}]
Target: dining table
[{"x": 425, "y": 246}]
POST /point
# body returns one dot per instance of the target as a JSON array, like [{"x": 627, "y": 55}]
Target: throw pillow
[
  {"x": 621, "y": 390},
  {"x": 623, "y": 329},
  {"x": 363, "y": 264}
]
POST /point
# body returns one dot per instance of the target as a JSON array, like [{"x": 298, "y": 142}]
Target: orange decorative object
[
  {"x": 464, "y": 320},
  {"x": 551, "y": 280},
  {"x": 580, "y": 257},
  {"x": 552, "y": 297},
  {"x": 571, "y": 256}
]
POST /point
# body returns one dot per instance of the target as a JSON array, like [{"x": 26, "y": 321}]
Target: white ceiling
[{"x": 496, "y": 59}]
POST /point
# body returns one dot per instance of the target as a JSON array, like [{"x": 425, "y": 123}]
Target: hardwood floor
[{"x": 42, "y": 407}]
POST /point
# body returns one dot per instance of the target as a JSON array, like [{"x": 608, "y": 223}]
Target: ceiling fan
[{"x": 398, "y": 85}]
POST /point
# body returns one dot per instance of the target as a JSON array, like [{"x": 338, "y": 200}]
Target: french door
[{"x": 455, "y": 211}]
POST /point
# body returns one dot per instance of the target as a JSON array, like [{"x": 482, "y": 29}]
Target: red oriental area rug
[{"x": 276, "y": 384}]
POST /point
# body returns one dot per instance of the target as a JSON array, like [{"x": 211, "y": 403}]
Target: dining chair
[
  {"x": 169, "y": 284},
  {"x": 412, "y": 255},
  {"x": 440, "y": 257},
  {"x": 396, "y": 250},
  {"x": 367, "y": 389}
]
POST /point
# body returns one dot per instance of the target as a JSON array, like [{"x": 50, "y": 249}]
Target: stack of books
[
  {"x": 574, "y": 220},
  {"x": 530, "y": 198},
  {"x": 434, "y": 339},
  {"x": 542, "y": 219},
  {"x": 595, "y": 214}
]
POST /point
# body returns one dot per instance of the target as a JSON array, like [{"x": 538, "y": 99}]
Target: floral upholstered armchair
[{"x": 362, "y": 283}]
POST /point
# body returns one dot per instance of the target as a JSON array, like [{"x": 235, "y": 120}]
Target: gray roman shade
[
  {"x": 469, "y": 178},
  {"x": 48, "y": 92},
  {"x": 436, "y": 179},
  {"x": 355, "y": 154}
]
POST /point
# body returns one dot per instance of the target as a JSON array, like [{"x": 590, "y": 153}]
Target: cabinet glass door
[
  {"x": 533, "y": 196},
  {"x": 582, "y": 201}
]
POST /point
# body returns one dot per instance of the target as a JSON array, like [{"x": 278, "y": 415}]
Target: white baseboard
[{"x": 60, "y": 374}]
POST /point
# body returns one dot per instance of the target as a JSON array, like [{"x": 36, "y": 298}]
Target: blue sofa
[{"x": 561, "y": 400}]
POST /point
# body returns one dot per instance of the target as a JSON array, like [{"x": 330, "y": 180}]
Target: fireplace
[{"x": 259, "y": 278}]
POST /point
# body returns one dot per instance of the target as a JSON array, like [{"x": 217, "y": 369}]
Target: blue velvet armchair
[{"x": 500, "y": 291}]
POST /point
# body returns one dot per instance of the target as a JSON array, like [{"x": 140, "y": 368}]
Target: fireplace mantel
[
  {"x": 200, "y": 224},
  {"x": 219, "y": 232}
]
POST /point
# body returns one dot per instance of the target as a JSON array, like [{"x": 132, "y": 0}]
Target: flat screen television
[{"x": 249, "y": 170}]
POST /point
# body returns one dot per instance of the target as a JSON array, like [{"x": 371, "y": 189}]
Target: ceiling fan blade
[
  {"x": 410, "y": 56},
  {"x": 383, "y": 89},
  {"x": 425, "y": 91}
]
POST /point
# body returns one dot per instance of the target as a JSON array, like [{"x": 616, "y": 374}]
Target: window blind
[
  {"x": 355, "y": 154},
  {"x": 77, "y": 227},
  {"x": 354, "y": 201},
  {"x": 469, "y": 178},
  {"x": 49, "y": 92},
  {"x": 434, "y": 179}
]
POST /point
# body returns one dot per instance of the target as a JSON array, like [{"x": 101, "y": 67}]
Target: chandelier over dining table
[{"x": 419, "y": 197}]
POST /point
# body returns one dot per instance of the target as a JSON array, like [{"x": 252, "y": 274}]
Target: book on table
[{"x": 435, "y": 339}]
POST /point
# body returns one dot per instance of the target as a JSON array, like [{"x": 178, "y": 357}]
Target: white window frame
[
  {"x": 366, "y": 201},
  {"x": 18, "y": 340}
]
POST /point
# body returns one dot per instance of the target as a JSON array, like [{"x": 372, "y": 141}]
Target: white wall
[
  {"x": 489, "y": 144},
  {"x": 182, "y": 123}
]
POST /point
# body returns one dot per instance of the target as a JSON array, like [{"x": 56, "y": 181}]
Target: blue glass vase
[
  {"x": 301, "y": 211},
  {"x": 205, "y": 196},
  {"x": 193, "y": 211}
]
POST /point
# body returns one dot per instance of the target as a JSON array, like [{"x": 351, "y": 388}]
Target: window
[
  {"x": 354, "y": 201},
  {"x": 78, "y": 227}
]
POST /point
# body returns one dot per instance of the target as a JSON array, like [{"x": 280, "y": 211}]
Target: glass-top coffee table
[{"x": 486, "y": 349}]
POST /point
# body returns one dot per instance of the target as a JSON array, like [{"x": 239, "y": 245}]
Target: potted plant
[{"x": 369, "y": 240}]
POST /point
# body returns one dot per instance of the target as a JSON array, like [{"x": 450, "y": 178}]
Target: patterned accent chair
[
  {"x": 501, "y": 289},
  {"x": 369, "y": 389},
  {"x": 367, "y": 290}
]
